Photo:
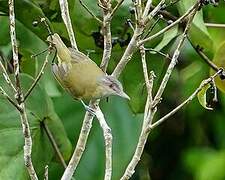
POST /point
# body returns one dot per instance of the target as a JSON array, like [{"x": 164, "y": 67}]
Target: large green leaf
[
  {"x": 26, "y": 12},
  {"x": 39, "y": 108},
  {"x": 198, "y": 32},
  {"x": 167, "y": 38}
]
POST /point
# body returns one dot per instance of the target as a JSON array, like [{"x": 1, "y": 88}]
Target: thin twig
[
  {"x": 90, "y": 12},
  {"x": 200, "y": 52},
  {"x": 38, "y": 77},
  {"x": 215, "y": 25},
  {"x": 6, "y": 76},
  {"x": 2, "y": 91},
  {"x": 174, "y": 60},
  {"x": 145, "y": 71},
  {"x": 152, "y": 14},
  {"x": 67, "y": 21},
  {"x": 54, "y": 144},
  {"x": 149, "y": 114},
  {"x": 188, "y": 100},
  {"x": 19, "y": 97},
  {"x": 166, "y": 14},
  {"x": 134, "y": 43},
  {"x": 147, "y": 8},
  {"x": 107, "y": 36},
  {"x": 188, "y": 12},
  {"x": 46, "y": 173},
  {"x": 116, "y": 7},
  {"x": 167, "y": 56},
  {"x": 81, "y": 144},
  {"x": 108, "y": 143}
]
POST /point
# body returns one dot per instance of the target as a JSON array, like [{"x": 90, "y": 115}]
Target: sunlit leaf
[
  {"x": 202, "y": 97},
  {"x": 219, "y": 60},
  {"x": 198, "y": 32},
  {"x": 167, "y": 38}
]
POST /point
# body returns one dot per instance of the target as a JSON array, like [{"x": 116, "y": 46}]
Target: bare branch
[
  {"x": 2, "y": 91},
  {"x": 46, "y": 173},
  {"x": 147, "y": 8},
  {"x": 81, "y": 144},
  {"x": 152, "y": 14},
  {"x": 19, "y": 97},
  {"x": 135, "y": 40},
  {"x": 132, "y": 46},
  {"x": 145, "y": 72},
  {"x": 54, "y": 144},
  {"x": 107, "y": 36},
  {"x": 200, "y": 52},
  {"x": 149, "y": 114},
  {"x": 6, "y": 76},
  {"x": 188, "y": 100},
  {"x": 38, "y": 77},
  {"x": 116, "y": 7},
  {"x": 108, "y": 143},
  {"x": 174, "y": 60},
  {"x": 67, "y": 21},
  {"x": 215, "y": 25},
  {"x": 189, "y": 11}
]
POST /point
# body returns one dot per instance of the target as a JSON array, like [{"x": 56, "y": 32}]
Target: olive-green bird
[{"x": 81, "y": 76}]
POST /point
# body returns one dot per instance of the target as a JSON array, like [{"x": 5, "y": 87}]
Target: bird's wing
[{"x": 78, "y": 56}]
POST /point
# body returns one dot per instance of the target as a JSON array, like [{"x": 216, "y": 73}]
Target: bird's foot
[{"x": 88, "y": 108}]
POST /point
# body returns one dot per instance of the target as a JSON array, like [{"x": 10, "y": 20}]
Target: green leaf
[
  {"x": 202, "y": 96},
  {"x": 38, "y": 108},
  {"x": 198, "y": 32},
  {"x": 219, "y": 60},
  {"x": 26, "y": 12},
  {"x": 167, "y": 38}
]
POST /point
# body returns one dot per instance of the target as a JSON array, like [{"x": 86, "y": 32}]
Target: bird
[{"x": 81, "y": 76}]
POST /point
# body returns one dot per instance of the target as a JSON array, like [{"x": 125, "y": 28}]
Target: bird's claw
[{"x": 90, "y": 110}]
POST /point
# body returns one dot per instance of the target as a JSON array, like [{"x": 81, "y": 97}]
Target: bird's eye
[{"x": 111, "y": 85}]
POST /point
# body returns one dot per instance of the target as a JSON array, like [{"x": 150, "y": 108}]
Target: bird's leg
[{"x": 87, "y": 108}]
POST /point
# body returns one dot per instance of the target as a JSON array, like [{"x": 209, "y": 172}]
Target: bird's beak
[{"x": 124, "y": 95}]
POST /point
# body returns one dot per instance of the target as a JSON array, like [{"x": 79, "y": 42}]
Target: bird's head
[{"x": 111, "y": 86}]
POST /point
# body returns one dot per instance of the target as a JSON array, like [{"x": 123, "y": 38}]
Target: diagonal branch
[
  {"x": 81, "y": 144},
  {"x": 188, "y": 12},
  {"x": 67, "y": 21},
  {"x": 90, "y": 12},
  {"x": 38, "y": 77},
  {"x": 174, "y": 60},
  {"x": 6, "y": 76},
  {"x": 187, "y": 101}
]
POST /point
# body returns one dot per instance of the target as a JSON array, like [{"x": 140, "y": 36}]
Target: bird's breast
[{"x": 81, "y": 80}]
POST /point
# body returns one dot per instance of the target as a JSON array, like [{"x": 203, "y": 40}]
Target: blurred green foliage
[{"x": 189, "y": 146}]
